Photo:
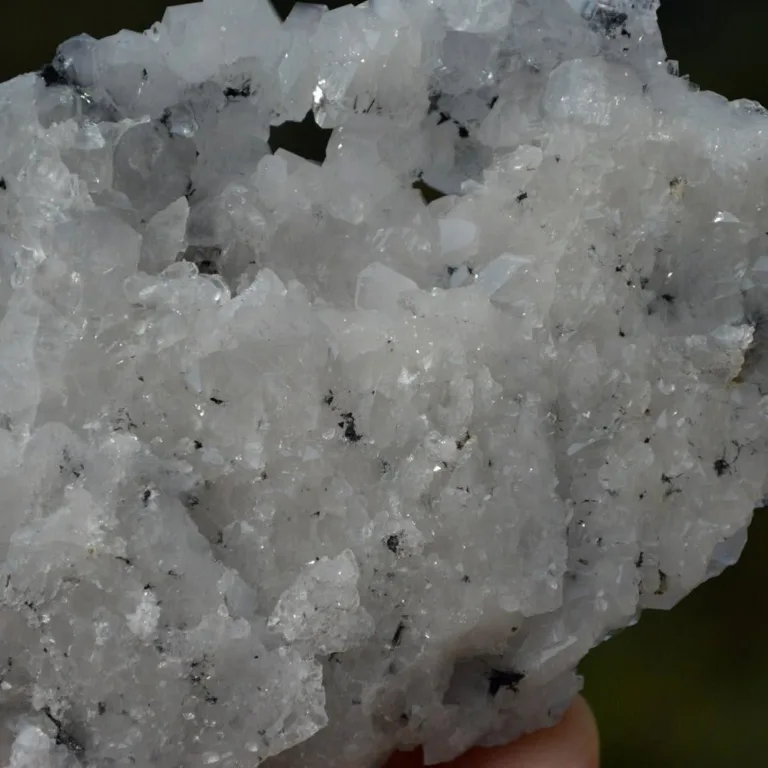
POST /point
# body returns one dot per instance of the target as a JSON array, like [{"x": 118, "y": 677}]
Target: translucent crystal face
[{"x": 296, "y": 467}]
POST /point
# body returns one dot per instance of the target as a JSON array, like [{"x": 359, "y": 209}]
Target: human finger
[{"x": 572, "y": 743}]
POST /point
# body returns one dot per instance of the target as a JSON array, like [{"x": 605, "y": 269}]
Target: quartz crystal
[{"x": 298, "y": 467}]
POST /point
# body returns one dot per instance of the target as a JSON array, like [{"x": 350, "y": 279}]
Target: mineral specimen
[{"x": 296, "y": 466}]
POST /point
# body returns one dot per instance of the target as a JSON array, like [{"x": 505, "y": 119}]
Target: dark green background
[{"x": 686, "y": 689}]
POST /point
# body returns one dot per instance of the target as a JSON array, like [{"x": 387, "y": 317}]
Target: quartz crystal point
[{"x": 296, "y": 467}]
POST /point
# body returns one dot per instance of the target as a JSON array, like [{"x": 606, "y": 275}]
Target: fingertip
[
  {"x": 412, "y": 759},
  {"x": 572, "y": 743}
]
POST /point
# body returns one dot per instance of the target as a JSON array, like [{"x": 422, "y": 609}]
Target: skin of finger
[{"x": 572, "y": 743}]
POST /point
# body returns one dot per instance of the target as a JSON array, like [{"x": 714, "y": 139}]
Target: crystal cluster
[{"x": 298, "y": 467}]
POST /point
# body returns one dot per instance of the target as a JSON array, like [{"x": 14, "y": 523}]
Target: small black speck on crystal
[
  {"x": 243, "y": 92},
  {"x": 397, "y": 638},
  {"x": 350, "y": 430},
  {"x": 462, "y": 441},
  {"x": 721, "y": 466}
]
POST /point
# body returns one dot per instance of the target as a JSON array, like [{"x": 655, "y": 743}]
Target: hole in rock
[
  {"x": 206, "y": 258},
  {"x": 53, "y": 75},
  {"x": 428, "y": 193},
  {"x": 306, "y": 139},
  {"x": 504, "y": 678},
  {"x": 479, "y": 678}
]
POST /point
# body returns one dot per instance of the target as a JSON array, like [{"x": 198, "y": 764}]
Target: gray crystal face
[{"x": 296, "y": 467}]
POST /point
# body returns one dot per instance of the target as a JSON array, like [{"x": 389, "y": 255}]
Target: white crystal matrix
[{"x": 297, "y": 467}]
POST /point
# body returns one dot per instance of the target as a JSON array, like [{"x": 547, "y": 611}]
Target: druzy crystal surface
[{"x": 298, "y": 467}]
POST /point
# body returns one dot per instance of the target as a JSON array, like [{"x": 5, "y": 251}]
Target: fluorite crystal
[{"x": 296, "y": 466}]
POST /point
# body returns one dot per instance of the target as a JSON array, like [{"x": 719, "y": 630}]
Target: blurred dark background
[{"x": 686, "y": 689}]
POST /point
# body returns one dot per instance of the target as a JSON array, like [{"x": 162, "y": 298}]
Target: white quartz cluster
[{"x": 297, "y": 467}]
